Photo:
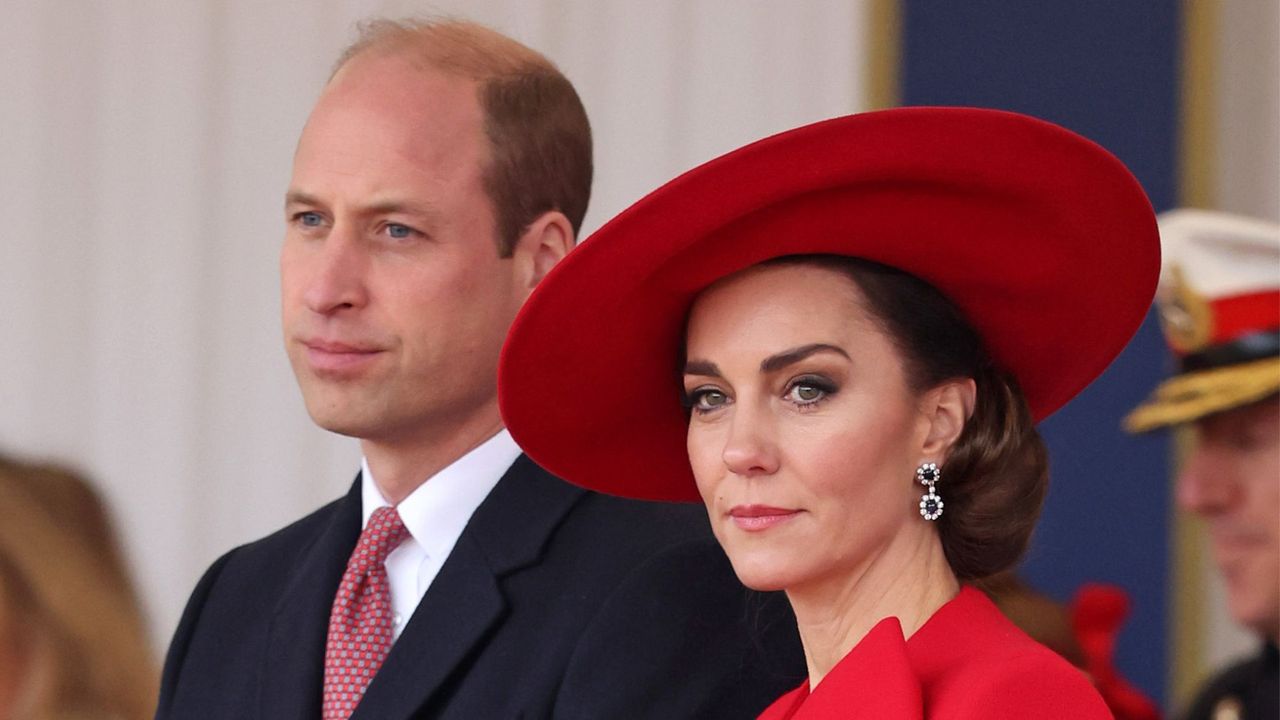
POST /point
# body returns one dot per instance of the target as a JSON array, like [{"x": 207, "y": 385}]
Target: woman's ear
[{"x": 948, "y": 408}]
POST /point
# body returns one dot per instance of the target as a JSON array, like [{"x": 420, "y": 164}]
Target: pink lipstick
[{"x": 756, "y": 518}]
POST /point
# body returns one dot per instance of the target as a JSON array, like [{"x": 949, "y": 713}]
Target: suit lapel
[
  {"x": 465, "y": 601},
  {"x": 462, "y": 604},
  {"x": 294, "y": 662}
]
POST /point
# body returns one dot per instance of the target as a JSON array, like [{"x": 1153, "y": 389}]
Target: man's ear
[
  {"x": 543, "y": 243},
  {"x": 947, "y": 408}
]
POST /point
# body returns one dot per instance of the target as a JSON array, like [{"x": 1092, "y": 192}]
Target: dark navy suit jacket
[{"x": 555, "y": 603}]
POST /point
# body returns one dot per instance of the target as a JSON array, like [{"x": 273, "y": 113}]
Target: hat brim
[
  {"x": 1191, "y": 396},
  {"x": 1043, "y": 239}
]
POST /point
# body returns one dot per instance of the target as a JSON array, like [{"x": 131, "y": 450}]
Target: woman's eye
[
  {"x": 808, "y": 392},
  {"x": 707, "y": 399},
  {"x": 805, "y": 393}
]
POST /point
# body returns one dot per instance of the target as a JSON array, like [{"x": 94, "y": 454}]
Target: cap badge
[{"x": 1185, "y": 315}]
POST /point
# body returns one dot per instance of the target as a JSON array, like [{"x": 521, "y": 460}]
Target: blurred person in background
[
  {"x": 1219, "y": 303},
  {"x": 73, "y": 645}
]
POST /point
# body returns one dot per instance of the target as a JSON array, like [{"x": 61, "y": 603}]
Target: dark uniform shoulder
[{"x": 1248, "y": 689}]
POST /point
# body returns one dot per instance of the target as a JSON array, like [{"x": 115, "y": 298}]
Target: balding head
[{"x": 537, "y": 129}]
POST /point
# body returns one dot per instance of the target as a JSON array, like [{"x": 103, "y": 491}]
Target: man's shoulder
[
  {"x": 218, "y": 646},
  {"x": 242, "y": 587},
  {"x": 638, "y": 533},
  {"x": 292, "y": 538},
  {"x": 644, "y": 521},
  {"x": 1242, "y": 686},
  {"x": 261, "y": 568},
  {"x": 670, "y": 605},
  {"x": 534, "y": 516},
  {"x": 553, "y": 534}
]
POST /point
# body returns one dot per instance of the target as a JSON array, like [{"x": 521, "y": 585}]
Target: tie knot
[{"x": 383, "y": 534}]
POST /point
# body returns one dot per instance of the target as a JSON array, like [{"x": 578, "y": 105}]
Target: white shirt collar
[{"x": 437, "y": 511}]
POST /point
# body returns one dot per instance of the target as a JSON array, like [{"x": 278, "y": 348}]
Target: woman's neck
[{"x": 909, "y": 579}]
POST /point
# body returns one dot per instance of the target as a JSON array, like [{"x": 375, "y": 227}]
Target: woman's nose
[{"x": 750, "y": 450}]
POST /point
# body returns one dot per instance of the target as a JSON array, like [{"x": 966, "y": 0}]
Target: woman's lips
[{"x": 755, "y": 518}]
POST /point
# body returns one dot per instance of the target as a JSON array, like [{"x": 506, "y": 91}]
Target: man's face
[
  {"x": 1232, "y": 481},
  {"x": 395, "y": 302}
]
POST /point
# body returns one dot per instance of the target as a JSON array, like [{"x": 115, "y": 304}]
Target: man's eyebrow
[
  {"x": 388, "y": 207},
  {"x": 701, "y": 367},
  {"x": 297, "y": 197},
  {"x": 795, "y": 355}
]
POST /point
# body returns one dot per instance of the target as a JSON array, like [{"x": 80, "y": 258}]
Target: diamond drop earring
[{"x": 930, "y": 504}]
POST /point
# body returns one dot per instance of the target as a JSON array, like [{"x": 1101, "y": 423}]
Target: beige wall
[{"x": 1247, "y": 130}]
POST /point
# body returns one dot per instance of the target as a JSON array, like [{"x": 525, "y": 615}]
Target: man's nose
[
  {"x": 338, "y": 279},
  {"x": 750, "y": 449}
]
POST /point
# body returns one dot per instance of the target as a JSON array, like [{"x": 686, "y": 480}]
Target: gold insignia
[
  {"x": 1185, "y": 398},
  {"x": 1185, "y": 315}
]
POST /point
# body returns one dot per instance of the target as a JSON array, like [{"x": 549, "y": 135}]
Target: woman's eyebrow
[
  {"x": 795, "y": 355},
  {"x": 701, "y": 367}
]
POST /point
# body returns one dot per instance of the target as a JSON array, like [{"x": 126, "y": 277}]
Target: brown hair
[
  {"x": 996, "y": 475},
  {"x": 68, "y": 613},
  {"x": 539, "y": 137}
]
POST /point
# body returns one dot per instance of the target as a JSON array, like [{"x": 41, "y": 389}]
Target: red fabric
[
  {"x": 876, "y": 677},
  {"x": 967, "y": 662},
  {"x": 1097, "y": 612},
  {"x": 1240, "y": 315},
  {"x": 360, "y": 624},
  {"x": 1043, "y": 239}
]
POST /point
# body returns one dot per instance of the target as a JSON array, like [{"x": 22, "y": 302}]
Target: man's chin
[
  {"x": 341, "y": 420},
  {"x": 1251, "y": 609},
  {"x": 1267, "y": 628}
]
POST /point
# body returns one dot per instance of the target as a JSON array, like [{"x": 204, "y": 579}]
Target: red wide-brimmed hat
[{"x": 1044, "y": 240}]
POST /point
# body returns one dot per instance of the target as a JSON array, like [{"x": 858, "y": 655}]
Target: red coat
[{"x": 967, "y": 661}]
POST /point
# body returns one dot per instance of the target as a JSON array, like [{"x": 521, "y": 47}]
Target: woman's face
[{"x": 804, "y": 436}]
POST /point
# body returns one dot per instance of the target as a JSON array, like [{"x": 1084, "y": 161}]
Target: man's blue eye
[
  {"x": 310, "y": 219},
  {"x": 399, "y": 232}
]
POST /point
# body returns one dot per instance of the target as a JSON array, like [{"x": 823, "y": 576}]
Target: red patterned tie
[{"x": 360, "y": 624}]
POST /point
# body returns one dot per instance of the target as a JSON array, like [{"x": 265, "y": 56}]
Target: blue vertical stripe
[{"x": 1109, "y": 71}]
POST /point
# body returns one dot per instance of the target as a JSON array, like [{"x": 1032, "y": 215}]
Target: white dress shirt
[{"x": 435, "y": 514}]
